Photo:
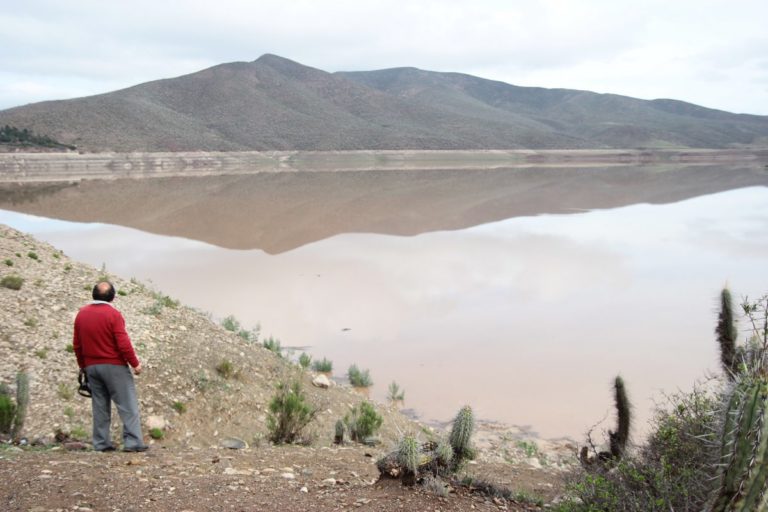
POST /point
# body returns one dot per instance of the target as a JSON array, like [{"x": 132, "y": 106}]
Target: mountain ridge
[{"x": 274, "y": 103}]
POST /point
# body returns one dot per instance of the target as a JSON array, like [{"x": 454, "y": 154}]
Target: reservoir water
[{"x": 520, "y": 292}]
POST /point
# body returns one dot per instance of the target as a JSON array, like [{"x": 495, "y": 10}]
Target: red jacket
[{"x": 100, "y": 337}]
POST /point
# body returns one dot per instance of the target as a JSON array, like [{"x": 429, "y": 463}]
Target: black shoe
[
  {"x": 133, "y": 449},
  {"x": 107, "y": 449}
]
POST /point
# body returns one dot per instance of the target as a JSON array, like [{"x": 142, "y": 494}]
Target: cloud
[{"x": 656, "y": 49}]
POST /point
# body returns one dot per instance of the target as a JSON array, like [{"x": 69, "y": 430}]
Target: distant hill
[{"x": 277, "y": 104}]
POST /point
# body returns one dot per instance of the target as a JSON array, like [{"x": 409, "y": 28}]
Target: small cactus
[
  {"x": 22, "y": 403},
  {"x": 7, "y": 410},
  {"x": 408, "y": 456},
  {"x": 338, "y": 437},
  {"x": 727, "y": 334},
  {"x": 461, "y": 434},
  {"x": 619, "y": 438}
]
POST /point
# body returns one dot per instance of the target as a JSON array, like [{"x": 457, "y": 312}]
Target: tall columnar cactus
[
  {"x": 22, "y": 402},
  {"x": 338, "y": 437},
  {"x": 7, "y": 410},
  {"x": 727, "y": 334},
  {"x": 619, "y": 438},
  {"x": 743, "y": 479},
  {"x": 461, "y": 434},
  {"x": 408, "y": 457}
]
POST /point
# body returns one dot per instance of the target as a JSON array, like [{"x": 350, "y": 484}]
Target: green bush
[
  {"x": 358, "y": 378},
  {"x": 179, "y": 407},
  {"x": 64, "y": 391},
  {"x": 289, "y": 413},
  {"x": 394, "y": 393},
  {"x": 323, "y": 365},
  {"x": 230, "y": 323},
  {"x": 305, "y": 360},
  {"x": 273, "y": 345},
  {"x": 363, "y": 421},
  {"x": 8, "y": 262},
  {"x": 12, "y": 282},
  {"x": 156, "y": 433},
  {"x": 69, "y": 348},
  {"x": 33, "y": 255},
  {"x": 225, "y": 368},
  {"x": 7, "y": 411}
]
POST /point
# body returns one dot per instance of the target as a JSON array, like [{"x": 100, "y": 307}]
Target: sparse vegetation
[
  {"x": 394, "y": 393},
  {"x": 69, "y": 348},
  {"x": 179, "y": 407},
  {"x": 305, "y": 360},
  {"x": 12, "y": 282},
  {"x": 289, "y": 413},
  {"x": 33, "y": 255},
  {"x": 122, "y": 293},
  {"x": 231, "y": 323},
  {"x": 273, "y": 345},
  {"x": 24, "y": 137},
  {"x": 156, "y": 433},
  {"x": 69, "y": 412},
  {"x": 358, "y": 378},
  {"x": 41, "y": 353},
  {"x": 30, "y": 322},
  {"x": 64, "y": 391},
  {"x": 225, "y": 368},
  {"x": 8, "y": 262},
  {"x": 79, "y": 433},
  {"x": 363, "y": 421},
  {"x": 324, "y": 366}
]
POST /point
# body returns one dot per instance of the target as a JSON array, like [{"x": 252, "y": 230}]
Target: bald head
[{"x": 103, "y": 291}]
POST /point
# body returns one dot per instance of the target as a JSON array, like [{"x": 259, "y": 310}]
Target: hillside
[
  {"x": 189, "y": 468},
  {"x": 273, "y": 103}
]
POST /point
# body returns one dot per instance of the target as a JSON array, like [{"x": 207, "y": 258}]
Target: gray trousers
[{"x": 112, "y": 383}]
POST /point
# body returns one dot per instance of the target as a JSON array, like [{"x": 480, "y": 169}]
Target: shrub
[
  {"x": 363, "y": 421},
  {"x": 69, "y": 348},
  {"x": 225, "y": 368},
  {"x": 305, "y": 360},
  {"x": 230, "y": 323},
  {"x": 64, "y": 391},
  {"x": 79, "y": 433},
  {"x": 69, "y": 412},
  {"x": 394, "y": 393},
  {"x": 8, "y": 262},
  {"x": 12, "y": 282},
  {"x": 273, "y": 345},
  {"x": 179, "y": 407},
  {"x": 156, "y": 433},
  {"x": 33, "y": 255},
  {"x": 42, "y": 353},
  {"x": 30, "y": 322},
  {"x": 359, "y": 379},
  {"x": 289, "y": 413},
  {"x": 122, "y": 293},
  {"x": 7, "y": 411},
  {"x": 323, "y": 365}
]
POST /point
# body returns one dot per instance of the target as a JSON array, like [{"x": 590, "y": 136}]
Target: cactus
[
  {"x": 726, "y": 334},
  {"x": 408, "y": 457},
  {"x": 22, "y": 402},
  {"x": 619, "y": 438},
  {"x": 461, "y": 434},
  {"x": 338, "y": 437},
  {"x": 7, "y": 410},
  {"x": 743, "y": 479}
]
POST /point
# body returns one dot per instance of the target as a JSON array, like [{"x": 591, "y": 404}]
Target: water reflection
[{"x": 528, "y": 319}]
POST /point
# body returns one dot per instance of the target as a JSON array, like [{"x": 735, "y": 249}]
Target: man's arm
[
  {"x": 123, "y": 342},
  {"x": 77, "y": 346}
]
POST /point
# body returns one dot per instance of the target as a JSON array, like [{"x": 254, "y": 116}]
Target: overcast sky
[{"x": 710, "y": 52}]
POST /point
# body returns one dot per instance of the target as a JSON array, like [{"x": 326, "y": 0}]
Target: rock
[
  {"x": 234, "y": 443},
  {"x": 75, "y": 446},
  {"x": 534, "y": 463},
  {"x": 304, "y": 489},
  {"x": 233, "y": 471},
  {"x": 329, "y": 481},
  {"x": 156, "y": 422},
  {"x": 371, "y": 441},
  {"x": 321, "y": 381},
  {"x": 288, "y": 476}
]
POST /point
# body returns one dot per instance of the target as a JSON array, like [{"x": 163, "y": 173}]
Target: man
[{"x": 104, "y": 351}]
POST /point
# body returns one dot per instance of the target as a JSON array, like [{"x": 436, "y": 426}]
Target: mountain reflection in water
[{"x": 527, "y": 318}]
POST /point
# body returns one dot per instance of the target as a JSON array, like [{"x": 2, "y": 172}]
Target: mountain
[{"x": 273, "y": 103}]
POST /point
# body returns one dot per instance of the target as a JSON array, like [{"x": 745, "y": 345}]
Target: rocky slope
[
  {"x": 274, "y": 103},
  {"x": 190, "y": 468}
]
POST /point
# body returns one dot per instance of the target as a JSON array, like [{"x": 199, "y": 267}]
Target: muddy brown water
[{"x": 522, "y": 292}]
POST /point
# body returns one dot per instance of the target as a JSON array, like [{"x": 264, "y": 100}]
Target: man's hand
[{"x": 137, "y": 370}]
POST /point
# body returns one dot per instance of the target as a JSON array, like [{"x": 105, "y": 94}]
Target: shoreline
[{"x": 71, "y": 166}]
